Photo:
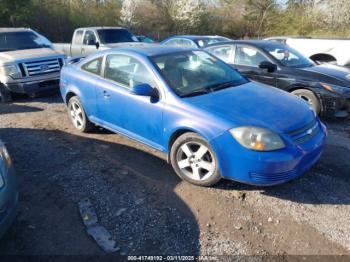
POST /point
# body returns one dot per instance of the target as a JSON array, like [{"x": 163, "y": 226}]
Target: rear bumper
[
  {"x": 8, "y": 201},
  {"x": 266, "y": 168}
]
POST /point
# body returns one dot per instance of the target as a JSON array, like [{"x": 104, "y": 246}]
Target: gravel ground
[{"x": 148, "y": 210}]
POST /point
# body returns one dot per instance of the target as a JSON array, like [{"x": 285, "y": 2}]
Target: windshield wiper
[
  {"x": 222, "y": 85},
  {"x": 197, "y": 92}
]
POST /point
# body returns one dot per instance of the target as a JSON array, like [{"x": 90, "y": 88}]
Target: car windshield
[
  {"x": 193, "y": 73},
  {"x": 111, "y": 36},
  {"x": 210, "y": 40},
  {"x": 288, "y": 56},
  {"x": 11, "y": 41}
]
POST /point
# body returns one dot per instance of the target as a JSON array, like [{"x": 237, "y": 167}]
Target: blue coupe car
[
  {"x": 8, "y": 190},
  {"x": 209, "y": 121}
]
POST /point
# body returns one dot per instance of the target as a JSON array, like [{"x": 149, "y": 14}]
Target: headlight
[
  {"x": 258, "y": 139},
  {"x": 336, "y": 89},
  {"x": 4, "y": 156},
  {"x": 10, "y": 70}
]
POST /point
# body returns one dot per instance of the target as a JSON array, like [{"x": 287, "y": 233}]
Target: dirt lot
[{"x": 148, "y": 209}]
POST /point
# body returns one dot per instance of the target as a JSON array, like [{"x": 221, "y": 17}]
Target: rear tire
[
  {"x": 193, "y": 160},
  {"x": 77, "y": 115},
  {"x": 310, "y": 98}
]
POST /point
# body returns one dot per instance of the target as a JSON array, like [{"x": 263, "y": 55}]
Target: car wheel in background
[
  {"x": 77, "y": 115},
  {"x": 309, "y": 97},
  {"x": 194, "y": 161}
]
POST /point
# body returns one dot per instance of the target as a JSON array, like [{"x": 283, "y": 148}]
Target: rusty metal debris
[{"x": 100, "y": 234}]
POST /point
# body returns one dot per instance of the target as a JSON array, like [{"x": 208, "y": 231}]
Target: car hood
[
  {"x": 21, "y": 55},
  {"x": 256, "y": 105},
  {"x": 330, "y": 74}
]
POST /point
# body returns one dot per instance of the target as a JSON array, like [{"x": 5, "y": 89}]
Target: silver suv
[{"x": 28, "y": 63}]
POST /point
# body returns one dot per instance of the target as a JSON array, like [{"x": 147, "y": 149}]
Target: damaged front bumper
[{"x": 333, "y": 105}]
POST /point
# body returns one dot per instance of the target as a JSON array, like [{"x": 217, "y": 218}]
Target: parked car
[
  {"x": 8, "y": 190},
  {"x": 28, "y": 63},
  {"x": 207, "y": 120},
  {"x": 325, "y": 87},
  {"x": 320, "y": 50},
  {"x": 145, "y": 39},
  {"x": 193, "y": 41},
  {"x": 89, "y": 40}
]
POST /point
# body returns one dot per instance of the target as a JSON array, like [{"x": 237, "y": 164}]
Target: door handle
[
  {"x": 105, "y": 94},
  {"x": 83, "y": 50}
]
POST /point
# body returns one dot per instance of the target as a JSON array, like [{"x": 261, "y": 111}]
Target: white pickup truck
[
  {"x": 28, "y": 63},
  {"x": 89, "y": 40},
  {"x": 320, "y": 50}
]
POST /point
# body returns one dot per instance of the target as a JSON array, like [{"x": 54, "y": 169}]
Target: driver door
[
  {"x": 89, "y": 43},
  {"x": 246, "y": 61},
  {"x": 138, "y": 117}
]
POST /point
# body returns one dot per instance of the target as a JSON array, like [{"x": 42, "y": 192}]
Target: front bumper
[
  {"x": 266, "y": 168},
  {"x": 335, "y": 105},
  {"x": 34, "y": 86},
  {"x": 8, "y": 201}
]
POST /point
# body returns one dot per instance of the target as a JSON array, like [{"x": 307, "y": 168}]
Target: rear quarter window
[{"x": 93, "y": 66}]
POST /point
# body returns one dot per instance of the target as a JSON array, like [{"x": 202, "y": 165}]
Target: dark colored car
[
  {"x": 325, "y": 87},
  {"x": 8, "y": 190},
  {"x": 193, "y": 41}
]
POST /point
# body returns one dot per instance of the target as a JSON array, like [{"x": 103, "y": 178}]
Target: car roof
[
  {"x": 256, "y": 43},
  {"x": 99, "y": 27},
  {"x": 149, "y": 50},
  {"x": 196, "y": 37},
  {"x": 13, "y": 29}
]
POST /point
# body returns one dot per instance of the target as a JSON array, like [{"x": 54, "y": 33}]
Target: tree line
[{"x": 57, "y": 19}]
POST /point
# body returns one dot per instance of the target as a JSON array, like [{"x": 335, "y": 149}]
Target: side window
[
  {"x": 172, "y": 42},
  {"x": 127, "y": 71},
  {"x": 187, "y": 43},
  {"x": 248, "y": 56},
  {"x": 89, "y": 38},
  {"x": 222, "y": 52},
  {"x": 78, "y": 37},
  {"x": 93, "y": 66}
]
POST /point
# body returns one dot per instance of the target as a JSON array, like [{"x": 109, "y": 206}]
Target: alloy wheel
[{"x": 195, "y": 161}]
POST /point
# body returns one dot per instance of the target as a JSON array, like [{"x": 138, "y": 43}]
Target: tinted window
[
  {"x": 222, "y": 52},
  {"x": 288, "y": 56},
  {"x": 248, "y": 56},
  {"x": 93, "y": 66},
  {"x": 127, "y": 71},
  {"x": 22, "y": 40},
  {"x": 211, "y": 40},
  {"x": 173, "y": 42},
  {"x": 78, "y": 37},
  {"x": 193, "y": 71},
  {"x": 89, "y": 38},
  {"x": 110, "y": 36}
]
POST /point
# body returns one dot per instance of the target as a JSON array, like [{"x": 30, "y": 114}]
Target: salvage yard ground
[{"x": 147, "y": 209}]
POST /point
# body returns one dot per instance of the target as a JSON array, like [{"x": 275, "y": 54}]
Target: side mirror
[
  {"x": 144, "y": 90},
  {"x": 268, "y": 65},
  {"x": 97, "y": 44}
]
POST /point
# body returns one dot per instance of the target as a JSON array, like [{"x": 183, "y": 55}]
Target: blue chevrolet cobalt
[
  {"x": 209, "y": 121},
  {"x": 8, "y": 190}
]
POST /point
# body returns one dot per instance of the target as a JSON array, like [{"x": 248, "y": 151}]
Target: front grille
[
  {"x": 307, "y": 132},
  {"x": 41, "y": 67},
  {"x": 272, "y": 178}
]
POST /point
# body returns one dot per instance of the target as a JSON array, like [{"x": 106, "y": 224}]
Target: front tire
[
  {"x": 5, "y": 95},
  {"x": 309, "y": 97},
  {"x": 77, "y": 115},
  {"x": 193, "y": 160}
]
